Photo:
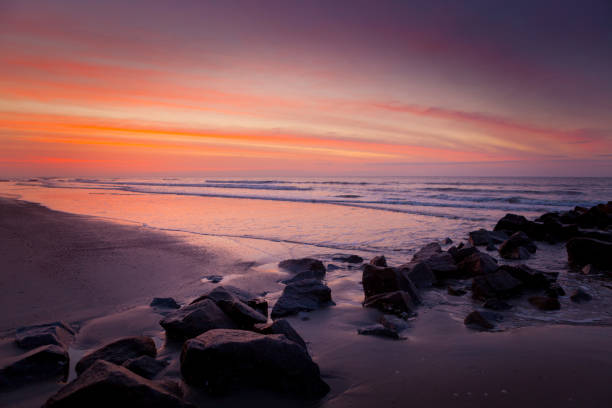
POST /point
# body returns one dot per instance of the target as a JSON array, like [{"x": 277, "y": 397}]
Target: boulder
[
  {"x": 379, "y": 261},
  {"x": 476, "y": 264},
  {"x": 145, "y": 366},
  {"x": 259, "y": 304},
  {"x": 220, "y": 360},
  {"x": 376, "y": 280},
  {"x": 512, "y": 223},
  {"x": 281, "y": 326},
  {"x": 545, "y": 302},
  {"x": 442, "y": 265},
  {"x": 531, "y": 278},
  {"x": 500, "y": 284},
  {"x": 459, "y": 254},
  {"x": 348, "y": 258},
  {"x": 48, "y": 362},
  {"x": 420, "y": 274},
  {"x": 303, "y": 265},
  {"x": 165, "y": 303},
  {"x": 484, "y": 237},
  {"x": 496, "y": 304},
  {"x": 302, "y": 296},
  {"x": 427, "y": 252},
  {"x": 214, "y": 278},
  {"x": 456, "y": 291},
  {"x": 584, "y": 251},
  {"x": 580, "y": 296},
  {"x": 599, "y": 216},
  {"x": 332, "y": 267},
  {"x": 379, "y": 330},
  {"x": 393, "y": 322},
  {"x": 106, "y": 385},
  {"x": 242, "y": 314},
  {"x": 518, "y": 246},
  {"x": 56, "y": 333},
  {"x": 118, "y": 352},
  {"x": 190, "y": 321},
  {"x": 399, "y": 303},
  {"x": 480, "y": 320}
]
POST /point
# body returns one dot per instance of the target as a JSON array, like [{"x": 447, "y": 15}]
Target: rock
[
  {"x": 447, "y": 241},
  {"x": 119, "y": 351},
  {"x": 305, "y": 295},
  {"x": 512, "y": 223},
  {"x": 165, "y": 303},
  {"x": 242, "y": 314},
  {"x": 584, "y": 251},
  {"x": 304, "y": 275},
  {"x": 496, "y": 304},
  {"x": 219, "y": 360},
  {"x": 491, "y": 247},
  {"x": 482, "y": 320},
  {"x": 518, "y": 246},
  {"x": 348, "y": 258},
  {"x": 545, "y": 302},
  {"x": 599, "y": 216},
  {"x": 456, "y": 291},
  {"x": 459, "y": 254},
  {"x": 531, "y": 278},
  {"x": 281, "y": 326},
  {"x": 145, "y": 366},
  {"x": 57, "y": 333},
  {"x": 394, "y": 323},
  {"x": 580, "y": 296},
  {"x": 420, "y": 274},
  {"x": 303, "y": 265},
  {"x": 399, "y": 303},
  {"x": 42, "y": 363},
  {"x": 427, "y": 252},
  {"x": 476, "y": 264},
  {"x": 376, "y": 280},
  {"x": 379, "y": 261},
  {"x": 106, "y": 385},
  {"x": 555, "y": 290},
  {"x": 260, "y": 305},
  {"x": 190, "y": 321},
  {"x": 379, "y": 330},
  {"x": 332, "y": 267},
  {"x": 484, "y": 237},
  {"x": 500, "y": 284},
  {"x": 442, "y": 265},
  {"x": 214, "y": 278}
]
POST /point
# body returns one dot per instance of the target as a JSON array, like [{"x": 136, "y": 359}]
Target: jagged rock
[
  {"x": 482, "y": 320},
  {"x": 498, "y": 284},
  {"x": 145, "y": 366},
  {"x": 476, "y": 264},
  {"x": 106, "y": 385},
  {"x": 419, "y": 274},
  {"x": 305, "y": 295},
  {"x": 165, "y": 303},
  {"x": 379, "y": 330},
  {"x": 119, "y": 351},
  {"x": 190, "y": 321},
  {"x": 496, "y": 304},
  {"x": 531, "y": 278},
  {"x": 57, "y": 333},
  {"x": 281, "y": 326},
  {"x": 459, "y": 254},
  {"x": 219, "y": 360},
  {"x": 348, "y": 258},
  {"x": 442, "y": 264},
  {"x": 378, "y": 280},
  {"x": 580, "y": 296},
  {"x": 484, "y": 237},
  {"x": 456, "y": 291},
  {"x": 259, "y": 304},
  {"x": 584, "y": 251},
  {"x": 427, "y": 252},
  {"x": 512, "y": 223},
  {"x": 42, "y": 363},
  {"x": 518, "y": 246},
  {"x": 303, "y": 265},
  {"x": 545, "y": 302},
  {"x": 379, "y": 261},
  {"x": 399, "y": 303},
  {"x": 242, "y": 314}
]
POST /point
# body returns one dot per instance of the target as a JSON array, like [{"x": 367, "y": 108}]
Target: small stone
[
  {"x": 165, "y": 303},
  {"x": 378, "y": 330},
  {"x": 482, "y": 320},
  {"x": 214, "y": 278}
]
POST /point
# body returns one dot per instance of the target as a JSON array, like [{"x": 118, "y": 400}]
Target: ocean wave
[
  {"x": 201, "y": 185},
  {"x": 503, "y": 191}
]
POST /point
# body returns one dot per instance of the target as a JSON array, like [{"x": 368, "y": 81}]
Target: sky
[{"x": 292, "y": 88}]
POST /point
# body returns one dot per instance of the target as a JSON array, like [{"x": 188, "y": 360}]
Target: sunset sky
[{"x": 305, "y": 88}]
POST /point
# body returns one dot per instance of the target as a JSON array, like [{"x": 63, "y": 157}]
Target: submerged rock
[
  {"x": 303, "y": 265},
  {"x": 220, "y": 360},
  {"x": 56, "y": 333},
  {"x": 379, "y": 330},
  {"x": 165, "y": 303},
  {"x": 302, "y": 296},
  {"x": 379, "y": 261},
  {"x": 145, "y": 366},
  {"x": 192, "y": 320},
  {"x": 108, "y": 385},
  {"x": 585, "y": 251},
  {"x": 393, "y": 322},
  {"x": 42, "y": 363},
  {"x": 545, "y": 302},
  {"x": 119, "y": 351},
  {"x": 281, "y": 326},
  {"x": 480, "y": 320},
  {"x": 348, "y": 258}
]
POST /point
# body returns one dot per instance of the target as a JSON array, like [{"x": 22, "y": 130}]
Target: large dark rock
[
  {"x": 303, "y": 265},
  {"x": 441, "y": 263},
  {"x": 379, "y": 260},
  {"x": 145, "y": 366},
  {"x": 498, "y": 284},
  {"x": 585, "y": 251},
  {"x": 119, "y": 351},
  {"x": 459, "y": 254},
  {"x": 518, "y": 246},
  {"x": 220, "y": 360},
  {"x": 512, "y": 222},
  {"x": 545, "y": 302},
  {"x": 281, "y": 326},
  {"x": 190, "y": 321},
  {"x": 348, "y": 258},
  {"x": 302, "y": 296},
  {"x": 42, "y": 363},
  {"x": 164, "y": 303},
  {"x": 376, "y": 280},
  {"x": 484, "y": 237},
  {"x": 531, "y": 278},
  {"x": 482, "y": 320},
  {"x": 400, "y": 303},
  {"x": 106, "y": 385},
  {"x": 57, "y": 333},
  {"x": 242, "y": 314},
  {"x": 599, "y": 216},
  {"x": 420, "y": 274},
  {"x": 476, "y": 264},
  {"x": 427, "y": 252}
]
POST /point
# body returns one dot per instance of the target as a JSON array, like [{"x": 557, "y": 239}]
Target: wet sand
[{"x": 102, "y": 275}]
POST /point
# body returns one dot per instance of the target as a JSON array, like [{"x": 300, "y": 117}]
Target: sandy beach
[{"x": 100, "y": 276}]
